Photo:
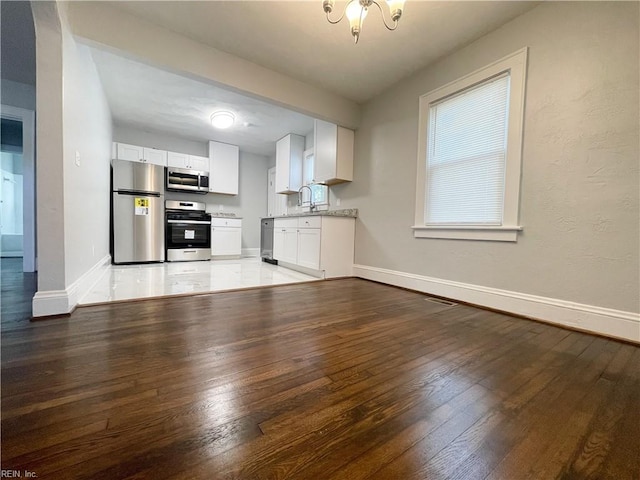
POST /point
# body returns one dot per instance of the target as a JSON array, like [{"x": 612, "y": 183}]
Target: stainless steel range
[{"x": 187, "y": 231}]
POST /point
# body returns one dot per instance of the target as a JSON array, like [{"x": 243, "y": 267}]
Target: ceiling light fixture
[
  {"x": 356, "y": 11},
  {"x": 222, "y": 119}
]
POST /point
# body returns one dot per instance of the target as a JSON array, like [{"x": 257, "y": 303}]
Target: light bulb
[
  {"x": 356, "y": 13},
  {"x": 395, "y": 7}
]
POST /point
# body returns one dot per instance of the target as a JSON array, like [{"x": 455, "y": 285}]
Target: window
[{"x": 469, "y": 155}]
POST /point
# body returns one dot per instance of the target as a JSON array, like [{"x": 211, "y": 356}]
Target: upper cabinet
[
  {"x": 224, "y": 161},
  {"x": 333, "y": 150},
  {"x": 183, "y": 160},
  {"x": 199, "y": 163},
  {"x": 289, "y": 151},
  {"x": 135, "y": 153}
]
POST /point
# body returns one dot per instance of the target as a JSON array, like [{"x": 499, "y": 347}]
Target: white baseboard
[
  {"x": 61, "y": 302},
  {"x": 604, "y": 321},
  {"x": 250, "y": 252}
]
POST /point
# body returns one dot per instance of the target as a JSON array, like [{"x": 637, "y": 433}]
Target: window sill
[{"x": 468, "y": 232}]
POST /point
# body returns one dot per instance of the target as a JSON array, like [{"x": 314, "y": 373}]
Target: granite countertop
[
  {"x": 345, "y": 212},
  {"x": 223, "y": 215}
]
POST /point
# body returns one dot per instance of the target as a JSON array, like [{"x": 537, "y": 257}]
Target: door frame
[{"x": 27, "y": 117}]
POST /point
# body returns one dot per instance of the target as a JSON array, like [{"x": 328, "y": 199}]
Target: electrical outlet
[
  {"x": 337, "y": 202},
  {"x": 77, "y": 158},
  {"x": 220, "y": 208}
]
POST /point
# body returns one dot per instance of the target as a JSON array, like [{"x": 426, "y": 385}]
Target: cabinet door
[
  {"x": 290, "y": 250},
  {"x": 199, "y": 163},
  {"x": 155, "y": 156},
  {"x": 133, "y": 153},
  {"x": 325, "y": 143},
  {"x": 333, "y": 162},
  {"x": 226, "y": 241},
  {"x": 309, "y": 248},
  {"x": 289, "y": 152},
  {"x": 224, "y": 163},
  {"x": 177, "y": 160},
  {"x": 278, "y": 244}
]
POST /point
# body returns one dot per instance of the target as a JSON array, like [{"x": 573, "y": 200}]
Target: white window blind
[{"x": 466, "y": 155}]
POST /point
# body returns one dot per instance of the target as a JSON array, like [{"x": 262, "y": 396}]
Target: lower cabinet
[
  {"x": 309, "y": 248},
  {"x": 318, "y": 245},
  {"x": 226, "y": 237}
]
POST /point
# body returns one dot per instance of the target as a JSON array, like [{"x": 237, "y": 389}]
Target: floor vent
[{"x": 440, "y": 301}]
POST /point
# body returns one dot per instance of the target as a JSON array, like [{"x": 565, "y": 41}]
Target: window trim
[{"x": 515, "y": 64}]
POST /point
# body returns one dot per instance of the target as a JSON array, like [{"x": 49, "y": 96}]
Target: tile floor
[{"x": 126, "y": 282}]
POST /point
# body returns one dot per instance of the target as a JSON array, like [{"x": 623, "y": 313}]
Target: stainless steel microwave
[{"x": 186, "y": 180}]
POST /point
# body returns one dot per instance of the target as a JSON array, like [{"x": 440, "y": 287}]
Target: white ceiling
[
  {"x": 293, "y": 38},
  {"x": 152, "y": 99}
]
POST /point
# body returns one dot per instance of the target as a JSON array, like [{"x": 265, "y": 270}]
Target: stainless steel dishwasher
[{"x": 266, "y": 241}]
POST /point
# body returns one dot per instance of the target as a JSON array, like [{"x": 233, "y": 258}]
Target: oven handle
[{"x": 191, "y": 222}]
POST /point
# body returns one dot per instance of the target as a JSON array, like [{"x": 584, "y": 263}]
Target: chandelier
[{"x": 356, "y": 12}]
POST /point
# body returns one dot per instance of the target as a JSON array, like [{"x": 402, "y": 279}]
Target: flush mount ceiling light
[
  {"x": 222, "y": 119},
  {"x": 356, "y": 11}
]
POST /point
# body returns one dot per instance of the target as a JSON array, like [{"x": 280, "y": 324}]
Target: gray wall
[
  {"x": 74, "y": 122},
  {"x": 579, "y": 193},
  {"x": 251, "y": 201},
  {"x": 17, "y": 55},
  {"x": 87, "y": 139},
  {"x": 17, "y": 94}
]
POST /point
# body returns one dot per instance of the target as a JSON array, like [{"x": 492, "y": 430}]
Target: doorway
[
  {"x": 17, "y": 186},
  {"x": 276, "y": 202}
]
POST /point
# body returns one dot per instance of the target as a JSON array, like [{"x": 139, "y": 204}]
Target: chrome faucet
[{"x": 312, "y": 205}]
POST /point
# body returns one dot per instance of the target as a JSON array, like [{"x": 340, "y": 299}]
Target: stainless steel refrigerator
[{"x": 137, "y": 212}]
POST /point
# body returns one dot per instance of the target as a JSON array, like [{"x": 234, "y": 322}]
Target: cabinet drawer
[
  {"x": 309, "y": 222},
  {"x": 285, "y": 223},
  {"x": 226, "y": 222}
]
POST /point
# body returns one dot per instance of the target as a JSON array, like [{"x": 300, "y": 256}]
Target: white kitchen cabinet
[
  {"x": 224, "y": 162},
  {"x": 278, "y": 242},
  {"x": 155, "y": 156},
  {"x": 289, "y": 151},
  {"x": 333, "y": 153},
  {"x": 309, "y": 248},
  {"x": 317, "y": 245},
  {"x": 177, "y": 160},
  {"x": 285, "y": 239},
  {"x": 226, "y": 237},
  {"x": 199, "y": 163},
  {"x": 135, "y": 153},
  {"x": 183, "y": 160}
]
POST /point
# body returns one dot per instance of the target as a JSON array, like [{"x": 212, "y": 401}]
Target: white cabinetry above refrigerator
[{"x": 135, "y": 153}]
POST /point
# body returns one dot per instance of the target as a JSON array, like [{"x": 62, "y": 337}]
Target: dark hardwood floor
[
  {"x": 342, "y": 379},
  {"x": 16, "y": 292}
]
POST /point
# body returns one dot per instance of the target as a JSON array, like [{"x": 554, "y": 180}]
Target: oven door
[{"x": 188, "y": 234}]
